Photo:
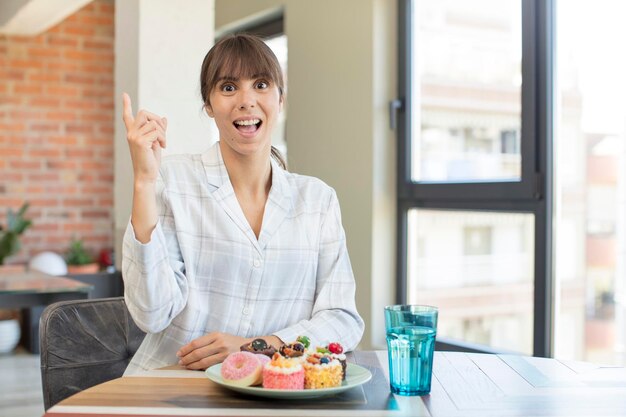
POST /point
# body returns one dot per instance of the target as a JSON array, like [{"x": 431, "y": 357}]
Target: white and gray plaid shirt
[{"x": 204, "y": 270}]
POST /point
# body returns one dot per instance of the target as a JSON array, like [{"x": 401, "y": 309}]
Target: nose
[{"x": 247, "y": 99}]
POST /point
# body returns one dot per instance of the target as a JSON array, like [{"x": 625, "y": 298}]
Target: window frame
[{"x": 532, "y": 194}]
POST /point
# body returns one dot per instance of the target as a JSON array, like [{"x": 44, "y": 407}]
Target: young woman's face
[{"x": 245, "y": 111}]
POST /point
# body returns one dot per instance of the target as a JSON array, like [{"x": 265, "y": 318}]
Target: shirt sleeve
[
  {"x": 334, "y": 317},
  {"x": 155, "y": 286}
]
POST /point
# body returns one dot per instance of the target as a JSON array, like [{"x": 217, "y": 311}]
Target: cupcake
[
  {"x": 259, "y": 346},
  {"x": 283, "y": 373},
  {"x": 335, "y": 351},
  {"x": 292, "y": 350},
  {"x": 322, "y": 371}
]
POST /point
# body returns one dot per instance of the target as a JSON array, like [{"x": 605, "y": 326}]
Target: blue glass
[{"x": 411, "y": 332}]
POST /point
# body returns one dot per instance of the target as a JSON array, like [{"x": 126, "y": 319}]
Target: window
[
  {"x": 590, "y": 181},
  {"x": 474, "y": 223}
]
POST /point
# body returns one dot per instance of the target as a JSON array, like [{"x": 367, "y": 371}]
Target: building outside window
[{"x": 512, "y": 173}]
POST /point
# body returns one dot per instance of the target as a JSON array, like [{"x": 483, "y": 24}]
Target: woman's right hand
[{"x": 146, "y": 137}]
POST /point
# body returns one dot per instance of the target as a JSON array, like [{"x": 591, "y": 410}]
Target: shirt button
[
  {"x": 245, "y": 311},
  {"x": 257, "y": 263}
]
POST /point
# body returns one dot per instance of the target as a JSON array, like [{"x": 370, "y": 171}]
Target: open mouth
[{"x": 247, "y": 126}]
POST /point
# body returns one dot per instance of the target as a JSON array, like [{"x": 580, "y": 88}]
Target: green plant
[
  {"x": 77, "y": 254},
  {"x": 9, "y": 237}
]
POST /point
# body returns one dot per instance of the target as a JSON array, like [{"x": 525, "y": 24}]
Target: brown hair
[{"x": 240, "y": 56}]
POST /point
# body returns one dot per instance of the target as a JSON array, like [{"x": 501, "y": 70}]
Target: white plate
[{"x": 355, "y": 375}]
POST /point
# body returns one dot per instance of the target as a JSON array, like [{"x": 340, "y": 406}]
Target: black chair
[{"x": 84, "y": 343}]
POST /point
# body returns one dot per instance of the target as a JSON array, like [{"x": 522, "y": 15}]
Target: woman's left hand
[{"x": 209, "y": 349}]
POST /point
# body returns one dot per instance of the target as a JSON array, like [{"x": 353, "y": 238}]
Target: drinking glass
[{"x": 411, "y": 331}]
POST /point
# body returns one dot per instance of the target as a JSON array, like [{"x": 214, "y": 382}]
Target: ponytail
[{"x": 278, "y": 157}]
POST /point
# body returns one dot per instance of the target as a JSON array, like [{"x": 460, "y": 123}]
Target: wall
[
  {"x": 341, "y": 72},
  {"x": 160, "y": 45},
  {"x": 56, "y": 130}
]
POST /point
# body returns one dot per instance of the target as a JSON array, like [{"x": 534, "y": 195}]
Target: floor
[{"x": 20, "y": 385}]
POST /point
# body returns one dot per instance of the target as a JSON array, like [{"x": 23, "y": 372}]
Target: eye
[
  {"x": 262, "y": 85},
  {"x": 227, "y": 88}
]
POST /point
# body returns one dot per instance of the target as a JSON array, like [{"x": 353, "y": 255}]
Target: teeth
[{"x": 247, "y": 122}]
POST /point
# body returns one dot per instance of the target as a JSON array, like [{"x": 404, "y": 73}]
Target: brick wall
[{"x": 56, "y": 131}]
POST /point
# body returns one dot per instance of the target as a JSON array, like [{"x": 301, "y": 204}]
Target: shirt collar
[{"x": 217, "y": 175}]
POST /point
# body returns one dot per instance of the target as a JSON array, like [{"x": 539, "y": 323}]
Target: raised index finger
[{"x": 127, "y": 113}]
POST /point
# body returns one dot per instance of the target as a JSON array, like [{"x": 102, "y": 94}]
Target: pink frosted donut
[
  {"x": 263, "y": 358},
  {"x": 242, "y": 369}
]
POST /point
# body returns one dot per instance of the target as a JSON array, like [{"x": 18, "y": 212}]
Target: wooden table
[
  {"x": 29, "y": 289},
  {"x": 464, "y": 384},
  {"x": 34, "y": 290}
]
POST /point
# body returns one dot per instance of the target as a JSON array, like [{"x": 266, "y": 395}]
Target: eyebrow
[{"x": 235, "y": 79}]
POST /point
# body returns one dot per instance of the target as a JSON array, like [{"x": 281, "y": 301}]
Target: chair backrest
[{"x": 84, "y": 343}]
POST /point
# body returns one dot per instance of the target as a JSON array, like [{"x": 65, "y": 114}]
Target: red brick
[
  {"x": 26, "y": 63},
  {"x": 78, "y": 202},
  {"x": 10, "y": 101},
  {"x": 45, "y": 127},
  {"x": 45, "y": 102},
  {"x": 107, "y": 153},
  {"x": 60, "y": 40},
  {"x": 10, "y": 177},
  {"x": 27, "y": 89},
  {"x": 60, "y": 165},
  {"x": 45, "y": 153},
  {"x": 36, "y": 189},
  {"x": 45, "y": 227},
  {"x": 105, "y": 202},
  {"x": 19, "y": 164},
  {"x": 64, "y": 116},
  {"x": 89, "y": 8},
  {"x": 62, "y": 189},
  {"x": 97, "y": 117},
  {"x": 78, "y": 29},
  {"x": 13, "y": 203},
  {"x": 81, "y": 104},
  {"x": 43, "y": 53},
  {"x": 79, "y": 128},
  {"x": 62, "y": 66},
  {"x": 99, "y": 68},
  {"x": 12, "y": 127},
  {"x": 63, "y": 140},
  {"x": 79, "y": 78},
  {"x": 79, "y": 153},
  {"x": 24, "y": 115},
  {"x": 95, "y": 166},
  {"x": 62, "y": 91},
  {"x": 108, "y": 129},
  {"x": 101, "y": 45},
  {"x": 12, "y": 74},
  {"x": 80, "y": 55},
  {"x": 44, "y": 202},
  {"x": 44, "y": 77},
  {"x": 96, "y": 214},
  {"x": 106, "y": 8},
  {"x": 97, "y": 20},
  {"x": 11, "y": 152},
  {"x": 43, "y": 177}
]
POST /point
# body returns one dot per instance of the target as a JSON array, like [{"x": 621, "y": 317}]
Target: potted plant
[
  {"x": 9, "y": 237},
  {"x": 79, "y": 261},
  {"x": 9, "y": 244}
]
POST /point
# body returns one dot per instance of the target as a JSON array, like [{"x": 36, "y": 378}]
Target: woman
[{"x": 227, "y": 246}]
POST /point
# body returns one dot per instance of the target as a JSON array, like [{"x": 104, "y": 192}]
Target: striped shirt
[{"x": 204, "y": 270}]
